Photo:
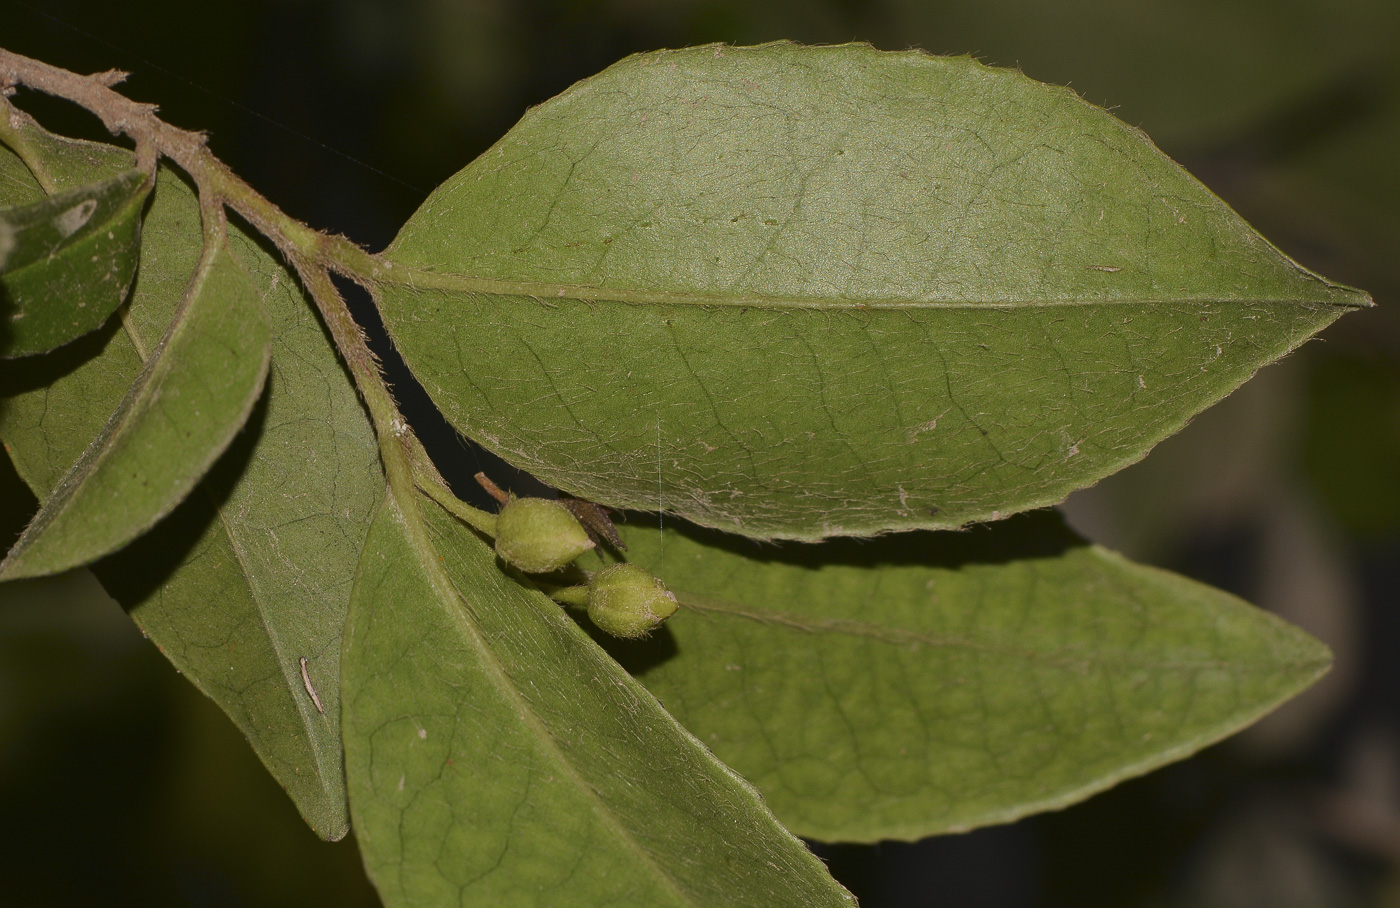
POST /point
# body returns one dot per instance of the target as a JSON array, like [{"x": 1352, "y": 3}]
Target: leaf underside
[
  {"x": 931, "y": 683},
  {"x": 482, "y": 724},
  {"x": 788, "y": 292},
  {"x": 68, "y": 262},
  {"x": 195, "y": 391},
  {"x": 253, "y": 571},
  {"x": 797, "y": 292}
]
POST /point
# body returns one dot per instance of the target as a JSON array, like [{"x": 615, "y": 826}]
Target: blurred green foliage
[{"x": 1353, "y": 440}]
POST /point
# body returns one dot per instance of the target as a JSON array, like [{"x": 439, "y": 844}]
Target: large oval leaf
[
  {"x": 924, "y": 684},
  {"x": 496, "y": 757},
  {"x": 802, "y": 292},
  {"x": 194, "y": 394}
]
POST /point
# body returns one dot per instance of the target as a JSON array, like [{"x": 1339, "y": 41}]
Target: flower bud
[
  {"x": 628, "y": 601},
  {"x": 538, "y": 535}
]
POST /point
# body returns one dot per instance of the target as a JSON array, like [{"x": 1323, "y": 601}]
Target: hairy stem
[
  {"x": 312, "y": 254},
  {"x": 393, "y": 431}
]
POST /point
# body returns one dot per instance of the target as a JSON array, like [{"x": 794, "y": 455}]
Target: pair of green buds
[{"x": 540, "y": 536}]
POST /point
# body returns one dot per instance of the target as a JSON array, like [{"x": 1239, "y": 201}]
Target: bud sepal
[
  {"x": 627, "y": 601},
  {"x": 539, "y": 536}
]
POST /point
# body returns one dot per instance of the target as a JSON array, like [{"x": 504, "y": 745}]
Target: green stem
[
  {"x": 349, "y": 338},
  {"x": 576, "y": 596},
  {"x": 433, "y": 487}
]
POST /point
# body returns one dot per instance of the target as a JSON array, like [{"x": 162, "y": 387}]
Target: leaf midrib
[
  {"x": 900, "y": 636},
  {"x": 420, "y": 538},
  {"x": 290, "y": 678},
  {"x": 387, "y": 274}
]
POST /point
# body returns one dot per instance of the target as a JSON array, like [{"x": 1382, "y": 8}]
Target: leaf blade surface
[
  {"x": 68, "y": 261},
  {"x": 253, "y": 571},
  {"x": 482, "y": 723},
  {"x": 194, "y": 393},
  {"x": 805, "y": 292},
  {"x": 928, "y": 683}
]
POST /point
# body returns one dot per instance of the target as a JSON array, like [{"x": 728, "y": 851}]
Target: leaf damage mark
[
  {"x": 310, "y": 690},
  {"x": 7, "y": 243},
  {"x": 929, "y": 426},
  {"x": 72, "y": 220}
]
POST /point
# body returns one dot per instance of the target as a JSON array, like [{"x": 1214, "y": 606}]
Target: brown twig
[
  {"x": 492, "y": 489},
  {"x": 119, "y": 114}
]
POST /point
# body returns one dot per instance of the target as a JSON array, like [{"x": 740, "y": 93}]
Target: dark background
[{"x": 119, "y": 784}]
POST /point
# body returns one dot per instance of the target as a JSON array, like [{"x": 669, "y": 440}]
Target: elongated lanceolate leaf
[
  {"x": 195, "y": 392},
  {"x": 252, "y": 573},
  {"x": 497, "y": 757},
  {"x": 66, "y": 262},
  {"x": 930, "y": 682},
  {"x": 803, "y": 292}
]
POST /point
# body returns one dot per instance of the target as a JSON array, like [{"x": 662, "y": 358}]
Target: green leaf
[
  {"x": 41, "y": 163},
  {"x": 799, "y": 292},
  {"x": 481, "y": 723},
  {"x": 253, "y": 571},
  {"x": 929, "y": 683},
  {"x": 17, "y": 184},
  {"x": 195, "y": 392},
  {"x": 66, "y": 262}
]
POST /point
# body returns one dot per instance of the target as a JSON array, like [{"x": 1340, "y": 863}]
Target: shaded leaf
[
  {"x": 481, "y": 723},
  {"x": 929, "y": 683},
  {"x": 195, "y": 391},
  {"x": 66, "y": 262},
  {"x": 17, "y": 185},
  {"x": 44, "y": 163},
  {"x": 253, "y": 571},
  {"x": 1352, "y": 468},
  {"x": 801, "y": 292}
]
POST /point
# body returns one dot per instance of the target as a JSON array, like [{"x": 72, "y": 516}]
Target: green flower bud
[
  {"x": 538, "y": 535},
  {"x": 627, "y": 601}
]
